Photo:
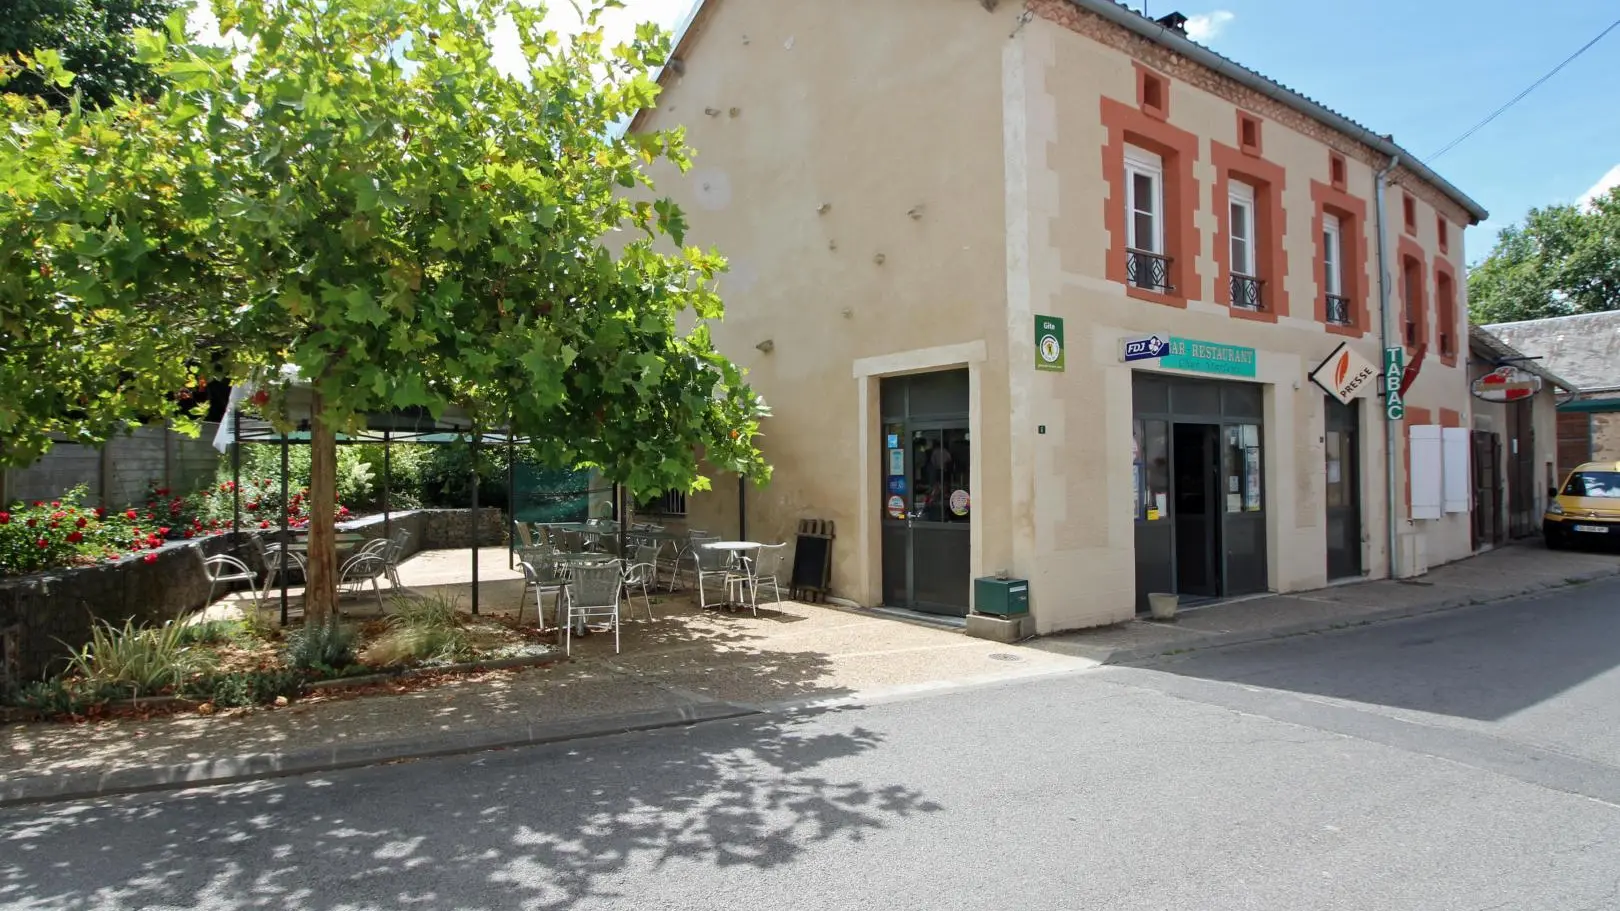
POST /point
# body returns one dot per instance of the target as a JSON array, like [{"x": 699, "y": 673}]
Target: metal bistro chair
[
  {"x": 361, "y": 568},
  {"x": 523, "y": 537},
  {"x": 764, "y": 569},
  {"x": 226, "y": 568},
  {"x": 278, "y": 560},
  {"x": 593, "y": 593},
  {"x": 542, "y": 578},
  {"x": 642, "y": 573},
  {"x": 711, "y": 564},
  {"x": 688, "y": 548}
]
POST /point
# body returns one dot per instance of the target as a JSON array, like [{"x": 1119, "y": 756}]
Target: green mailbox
[{"x": 1001, "y": 597}]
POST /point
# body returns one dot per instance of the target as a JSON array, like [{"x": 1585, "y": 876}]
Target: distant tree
[
  {"x": 1563, "y": 260},
  {"x": 95, "y": 39}
]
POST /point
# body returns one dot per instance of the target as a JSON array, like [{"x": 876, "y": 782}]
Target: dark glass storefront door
[
  {"x": 1342, "y": 451},
  {"x": 927, "y": 499},
  {"x": 1199, "y": 508}
]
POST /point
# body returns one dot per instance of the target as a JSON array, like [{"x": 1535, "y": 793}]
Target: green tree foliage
[
  {"x": 109, "y": 268},
  {"x": 356, "y": 190},
  {"x": 1563, "y": 260},
  {"x": 95, "y": 41}
]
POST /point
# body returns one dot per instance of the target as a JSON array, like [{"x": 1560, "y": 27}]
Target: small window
[
  {"x": 1336, "y": 172},
  {"x": 1446, "y": 298},
  {"x": 1153, "y": 93},
  {"x": 1443, "y": 231},
  {"x": 1409, "y": 209},
  {"x": 1412, "y": 288},
  {"x": 1249, "y": 133}
]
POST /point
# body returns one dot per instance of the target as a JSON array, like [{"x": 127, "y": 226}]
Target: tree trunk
[{"x": 320, "y": 595}]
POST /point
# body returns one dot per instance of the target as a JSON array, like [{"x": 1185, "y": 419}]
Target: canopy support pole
[
  {"x": 477, "y": 526},
  {"x": 286, "y": 531}
]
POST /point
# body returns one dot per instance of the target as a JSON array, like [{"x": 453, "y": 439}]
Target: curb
[
  {"x": 235, "y": 769},
  {"x": 1225, "y": 640}
]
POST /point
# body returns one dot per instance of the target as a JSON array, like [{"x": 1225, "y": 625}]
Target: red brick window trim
[
  {"x": 1445, "y": 297},
  {"x": 1249, "y": 134},
  {"x": 1338, "y": 176},
  {"x": 1152, "y": 93},
  {"x": 1409, "y": 213},
  {"x": 1251, "y": 266},
  {"x": 1147, "y": 159},
  {"x": 1414, "y": 300},
  {"x": 1347, "y": 312}
]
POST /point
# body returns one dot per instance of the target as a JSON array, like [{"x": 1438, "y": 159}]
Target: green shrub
[
  {"x": 321, "y": 647},
  {"x": 216, "y": 632},
  {"x": 421, "y": 629},
  {"x": 239, "y": 689},
  {"x": 139, "y": 660}
]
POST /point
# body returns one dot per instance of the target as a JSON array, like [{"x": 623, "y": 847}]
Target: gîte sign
[
  {"x": 1344, "y": 374},
  {"x": 1507, "y": 384}
]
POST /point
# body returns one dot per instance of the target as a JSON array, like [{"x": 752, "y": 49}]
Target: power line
[{"x": 1520, "y": 97}]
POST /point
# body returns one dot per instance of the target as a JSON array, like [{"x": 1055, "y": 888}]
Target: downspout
[{"x": 1391, "y": 457}]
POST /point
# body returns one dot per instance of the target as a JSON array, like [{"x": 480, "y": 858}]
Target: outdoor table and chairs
[{"x": 728, "y": 562}]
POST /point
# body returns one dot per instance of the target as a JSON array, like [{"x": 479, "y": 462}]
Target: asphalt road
[{"x": 1465, "y": 761}]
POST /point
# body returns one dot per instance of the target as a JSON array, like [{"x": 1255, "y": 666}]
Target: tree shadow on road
[{"x": 545, "y": 828}]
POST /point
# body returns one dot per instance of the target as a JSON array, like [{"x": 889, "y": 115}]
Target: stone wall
[
  {"x": 1605, "y": 437},
  {"x": 38, "y": 610},
  {"x": 42, "y": 611}
]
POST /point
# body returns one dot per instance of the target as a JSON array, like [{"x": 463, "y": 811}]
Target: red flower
[
  {"x": 136, "y": 532},
  {"x": 38, "y": 503},
  {"x": 59, "y": 514},
  {"x": 75, "y": 537},
  {"x": 254, "y": 505},
  {"x": 163, "y": 531},
  {"x": 32, "y": 522},
  {"x": 56, "y": 502},
  {"x": 101, "y": 512},
  {"x": 5, "y": 518},
  {"x": 82, "y": 522},
  {"x": 264, "y": 523},
  {"x": 163, "y": 491},
  {"x": 189, "y": 533},
  {"x": 150, "y": 558},
  {"x": 130, "y": 515},
  {"x": 43, "y": 543}
]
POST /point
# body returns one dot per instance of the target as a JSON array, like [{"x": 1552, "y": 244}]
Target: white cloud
[
  {"x": 1605, "y": 183},
  {"x": 1206, "y": 27}
]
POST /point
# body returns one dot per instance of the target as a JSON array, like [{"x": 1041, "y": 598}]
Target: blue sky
[{"x": 1426, "y": 70}]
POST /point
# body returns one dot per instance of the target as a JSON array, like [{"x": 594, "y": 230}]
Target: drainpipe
[{"x": 1390, "y": 455}]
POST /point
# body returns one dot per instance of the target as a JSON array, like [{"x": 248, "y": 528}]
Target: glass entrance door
[
  {"x": 1342, "y": 450},
  {"x": 927, "y": 497}
]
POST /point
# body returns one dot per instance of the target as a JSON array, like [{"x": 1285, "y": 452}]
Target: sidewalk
[
  {"x": 1506, "y": 572},
  {"x": 690, "y": 666}
]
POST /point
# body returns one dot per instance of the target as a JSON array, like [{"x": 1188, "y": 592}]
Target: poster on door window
[
  {"x": 959, "y": 502},
  {"x": 1234, "y": 502},
  {"x": 897, "y": 461},
  {"x": 1335, "y": 473},
  {"x": 1251, "y": 468},
  {"x": 897, "y": 507}
]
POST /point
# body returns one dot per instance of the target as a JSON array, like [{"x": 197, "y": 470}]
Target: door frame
[
  {"x": 868, "y": 372},
  {"x": 1357, "y": 490}
]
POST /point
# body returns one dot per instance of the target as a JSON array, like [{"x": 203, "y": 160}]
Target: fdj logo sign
[{"x": 1048, "y": 343}]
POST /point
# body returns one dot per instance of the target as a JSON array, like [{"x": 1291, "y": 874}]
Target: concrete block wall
[
  {"x": 117, "y": 475},
  {"x": 1606, "y": 437}
]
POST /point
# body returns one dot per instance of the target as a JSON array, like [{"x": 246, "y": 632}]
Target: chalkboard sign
[{"x": 812, "y": 560}]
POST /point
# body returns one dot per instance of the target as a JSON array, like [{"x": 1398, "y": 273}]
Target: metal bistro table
[
  {"x": 345, "y": 540},
  {"x": 739, "y": 551}
]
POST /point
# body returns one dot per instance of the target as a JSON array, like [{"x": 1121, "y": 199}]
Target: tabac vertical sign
[
  {"x": 1048, "y": 342},
  {"x": 1394, "y": 369}
]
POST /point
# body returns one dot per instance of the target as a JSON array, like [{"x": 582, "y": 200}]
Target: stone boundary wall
[{"x": 43, "y": 614}]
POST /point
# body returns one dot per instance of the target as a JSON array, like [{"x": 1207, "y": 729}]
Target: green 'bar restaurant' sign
[{"x": 1208, "y": 357}]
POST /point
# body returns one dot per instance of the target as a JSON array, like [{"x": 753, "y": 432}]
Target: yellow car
[{"x": 1586, "y": 508}]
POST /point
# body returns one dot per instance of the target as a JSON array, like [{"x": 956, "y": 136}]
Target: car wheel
[{"x": 1555, "y": 540}]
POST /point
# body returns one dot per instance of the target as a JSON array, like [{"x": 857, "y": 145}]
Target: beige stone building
[{"x": 948, "y": 221}]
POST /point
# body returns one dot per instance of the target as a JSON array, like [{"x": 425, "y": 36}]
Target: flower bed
[{"x": 234, "y": 664}]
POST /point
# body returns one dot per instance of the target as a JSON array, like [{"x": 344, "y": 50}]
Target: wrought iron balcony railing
[
  {"x": 1148, "y": 270},
  {"x": 1246, "y": 292},
  {"x": 1338, "y": 310}
]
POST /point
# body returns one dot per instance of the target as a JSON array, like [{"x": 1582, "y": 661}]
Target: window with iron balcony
[
  {"x": 1147, "y": 265},
  {"x": 1245, "y": 283},
  {"x": 1338, "y": 305}
]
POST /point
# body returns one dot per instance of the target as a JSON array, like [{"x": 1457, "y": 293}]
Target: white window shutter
[
  {"x": 1458, "y": 484},
  {"x": 1424, "y": 450}
]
